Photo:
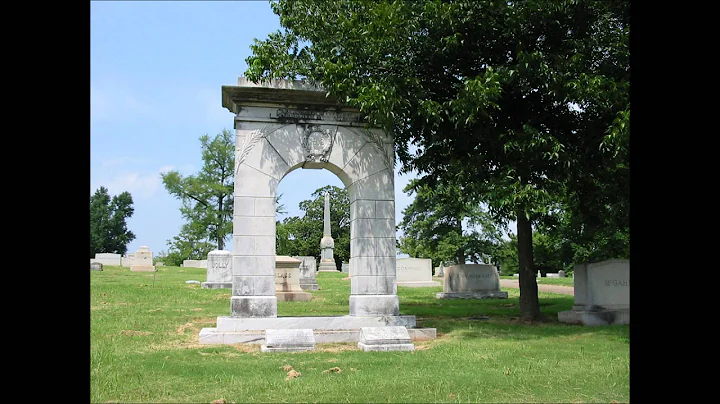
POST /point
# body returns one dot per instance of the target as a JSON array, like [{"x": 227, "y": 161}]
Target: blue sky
[{"x": 156, "y": 71}]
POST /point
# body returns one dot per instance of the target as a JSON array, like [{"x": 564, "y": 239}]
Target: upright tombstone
[
  {"x": 282, "y": 126},
  {"x": 602, "y": 294},
  {"x": 471, "y": 281},
  {"x": 143, "y": 261},
  {"x": 287, "y": 280},
  {"x": 194, "y": 264},
  {"x": 415, "y": 272},
  {"x": 107, "y": 259},
  {"x": 440, "y": 271},
  {"x": 307, "y": 273},
  {"x": 96, "y": 266},
  {"x": 327, "y": 244},
  {"x": 159, "y": 264},
  {"x": 345, "y": 267},
  {"x": 219, "y": 270},
  {"x": 561, "y": 274},
  {"x": 127, "y": 260}
]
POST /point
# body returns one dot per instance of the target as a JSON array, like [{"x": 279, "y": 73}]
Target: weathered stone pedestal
[
  {"x": 287, "y": 280},
  {"x": 143, "y": 261},
  {"x": 602, "y": 294},
  {"x": 219, "y": 270},
  {"x": 471, "y": 281}
]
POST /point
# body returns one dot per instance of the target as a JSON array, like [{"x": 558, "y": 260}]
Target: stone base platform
[
  {"x": 293, "y": 296},
  {"x": 595, "y": 317},
  {"x": 327, "y": 266},
  {"x": 419, "y": 284},
  {"x": 472, "y": 295},
  {"x": 263, "y": 348},
  {"x": 213, "y": 336},
  {"x": 249, "y": 330},
  {"x": 386, "y": 347},
  {"x": 216, "y": 285},
  {"x": 309, "y": 286}
]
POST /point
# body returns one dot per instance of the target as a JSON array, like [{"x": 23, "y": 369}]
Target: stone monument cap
[
  {"x": 284, "y": 261},
  {"x": 219, "y": 252}
]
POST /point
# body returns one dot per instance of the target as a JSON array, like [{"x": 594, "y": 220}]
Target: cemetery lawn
[{"x": 144, "y": 348}]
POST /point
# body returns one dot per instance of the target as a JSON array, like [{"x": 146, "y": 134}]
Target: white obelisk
[{"x": 327, "y": 244}]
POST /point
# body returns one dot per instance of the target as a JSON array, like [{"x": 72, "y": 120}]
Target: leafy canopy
[
  {"x": 207, "y": 197},
  {"x": 108, "y": 222}
]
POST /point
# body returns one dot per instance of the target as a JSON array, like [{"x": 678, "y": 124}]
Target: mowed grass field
[{"x": 144, "y": 348}]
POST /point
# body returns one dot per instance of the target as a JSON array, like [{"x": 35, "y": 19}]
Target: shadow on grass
[{"x": 498, "y": 318}]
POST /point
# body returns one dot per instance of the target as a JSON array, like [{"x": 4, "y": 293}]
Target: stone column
[
  {"x": 373, "y": 283},
  {"x": 253, "y": 260},
  {"x": 327, "y": 244}
]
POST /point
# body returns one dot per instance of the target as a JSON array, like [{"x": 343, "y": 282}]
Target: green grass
[
  {"x": 549, "y": 281},
  {"x": 144, "y": 349}
]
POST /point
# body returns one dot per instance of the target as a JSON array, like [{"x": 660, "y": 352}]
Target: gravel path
[{"x": 566, "y": 290}]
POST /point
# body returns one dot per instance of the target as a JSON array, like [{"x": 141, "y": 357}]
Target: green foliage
[
  {"x": 300, "y": 236},
  {"x": 593, "y": 239},
  {"x": 207, "y": 197},
  {"x": 189, "y": 244},
  {"x": 108, "y": 227},
  {"x": 524, "y": 104},
  {"x": 432, "y": 225}
]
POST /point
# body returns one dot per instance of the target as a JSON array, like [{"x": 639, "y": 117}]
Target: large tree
[
  {"x": 108, "y": 226},
  {"x": 207, "y": 197},
  {"x": 443, "y": 225},
  {"x": 524, "y": 103},
  {"x": 300, "y": 235}
]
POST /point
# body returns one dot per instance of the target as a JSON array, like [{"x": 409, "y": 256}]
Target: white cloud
[{"x": 141, "y": 185}]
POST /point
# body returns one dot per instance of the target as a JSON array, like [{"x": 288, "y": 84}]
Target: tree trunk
[
  {"x": 529, "y": 302},
  {"x": 460, "y": 255}
]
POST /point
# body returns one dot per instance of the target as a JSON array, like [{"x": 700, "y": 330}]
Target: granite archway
[{"x": 283, "y": 126}]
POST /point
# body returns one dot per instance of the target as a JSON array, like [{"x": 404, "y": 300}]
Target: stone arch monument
[{"x": 280, "y": 127}]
